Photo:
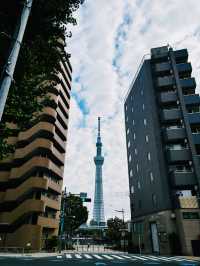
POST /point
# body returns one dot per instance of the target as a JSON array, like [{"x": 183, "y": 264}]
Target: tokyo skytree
[{"x": 98, "y": 210}]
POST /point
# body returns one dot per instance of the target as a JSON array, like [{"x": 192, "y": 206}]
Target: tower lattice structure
[{"x": 98, "y": 211}]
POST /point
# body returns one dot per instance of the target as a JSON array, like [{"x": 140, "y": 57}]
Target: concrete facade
[
  {"x": 31, "y": 179},
  {"x": 162, "y": 120}
]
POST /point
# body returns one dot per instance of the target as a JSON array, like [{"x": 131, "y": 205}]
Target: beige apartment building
[{"x": 31, "y": 179}]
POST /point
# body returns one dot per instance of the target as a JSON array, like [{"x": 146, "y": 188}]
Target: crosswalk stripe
[
  {"x": 107, "y": 257},
  {"x": 126, "y": 257},
  {"x": 68, "y": 256},
  {"x": 177, "y": 259},
  {"x": 151, "y": 258},
  {"x": 98, "y": 257},
  {"x": 117, "y": 257},
  {"x": 87, "y": 256},
  {"x": 78, "y": 256},
  {"x": 165, "y": 258},
  {"x": 137, "y": 257}
]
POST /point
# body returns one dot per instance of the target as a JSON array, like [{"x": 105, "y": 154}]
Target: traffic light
[{"x": 86, "y": 199}]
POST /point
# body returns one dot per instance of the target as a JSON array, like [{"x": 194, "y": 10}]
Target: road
[{"x": 95, "y": 259}]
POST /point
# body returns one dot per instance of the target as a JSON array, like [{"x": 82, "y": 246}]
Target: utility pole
[
  {"x": 62, "y": 220},
  {"x": 123, "y": 229},
  {"x": 9, "y": 68}
]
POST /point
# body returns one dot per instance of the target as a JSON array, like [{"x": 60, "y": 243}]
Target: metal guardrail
[{"x": 12, "y": 250}]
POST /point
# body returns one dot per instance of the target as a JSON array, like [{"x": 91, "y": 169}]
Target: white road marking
[
  {"x": 87, "y": 256},
  {"x": 151, "y": 258},
  {"x": 78, "y": 256},
  {"x": 98, "y": 257},
  {"x": 68, "y": 256},
  {"x": 164, "y": 258},
  {"x": 126, "y": 257},
  {"x": 138, "y": 257},
  {"x": 107, "y": 257},
  {"x": 117, "y": 257}
]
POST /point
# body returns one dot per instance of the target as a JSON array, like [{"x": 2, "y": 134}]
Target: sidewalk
[{"x": 35, "y": 255}]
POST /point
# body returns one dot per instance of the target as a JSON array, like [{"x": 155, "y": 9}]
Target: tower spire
[{"x": 99, "y": 125}]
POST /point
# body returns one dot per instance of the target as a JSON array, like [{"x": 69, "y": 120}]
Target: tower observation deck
[{"x": 98, "y": 210}]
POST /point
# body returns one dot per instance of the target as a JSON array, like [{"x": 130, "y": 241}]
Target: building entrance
[{"x": 154, "y": 236}]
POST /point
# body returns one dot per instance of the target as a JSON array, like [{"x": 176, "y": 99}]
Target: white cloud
[{"x": 102, "y": 85}]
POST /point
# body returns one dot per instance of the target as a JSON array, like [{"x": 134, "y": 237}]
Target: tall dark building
[{"x": 162, "y": 119}]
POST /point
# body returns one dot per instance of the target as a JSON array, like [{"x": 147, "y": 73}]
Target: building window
[
  {"x": 145, "y": 122},
  {"x": 149, "y": 156},
  {"x": 139, "y": 185},
  {"x": 131, "y": 173},
  {"x": 127, "y": 119},
  {"x": 143, "y": 107},
  {"x": 133, "y": 122},
  {"x": 131, "y": 98},
  {"x": 151, "y": 177},
  {"x": 142, "y": 92},
  {"x": 136, "y": 152},
  {"x": 154, "y": 200},
  {"x": 139, "y": 204},
  {"x": 147, "y": 138},
  {"x": 130, "y": 158},
  {"x": 129, "y": 144},
  {"x": 126, "y": 107},
  {"x": 132, "y": 189},
  {"x": 134, "y": 136},
  {"x": 132, "y": 109},
  {"x": 127, "y": 132},
  {"x": 137, "y": 167}
]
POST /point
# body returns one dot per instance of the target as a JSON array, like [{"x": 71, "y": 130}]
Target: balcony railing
[
  {"x": 174, "y": 134},
  {"x": 182, "y": 179},
  {"x": 178, "y": 155}
]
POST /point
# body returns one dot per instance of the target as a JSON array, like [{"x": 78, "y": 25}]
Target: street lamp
[
  {"x": 7, "y": 76},
  {"x": 62, "y": 220}
]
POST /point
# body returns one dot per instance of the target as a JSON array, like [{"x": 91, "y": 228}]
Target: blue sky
[{"x": 106, "y": 49}]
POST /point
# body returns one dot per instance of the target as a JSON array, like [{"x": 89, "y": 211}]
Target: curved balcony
[
  {"x": 54, "y": 186},
  {"x": 48, "y": 222},
  {"x": 39, "y": 143},
  {"x": 36, "y": 162},
  {"x": 24, "y": 135},
  {"x": 4, "y": 176},
  {"x": 51, "y": 203},
  {"x": 64, "y": 71},
  {"x": 28, "y": 206},
  {"x": 31, "y": 183}
]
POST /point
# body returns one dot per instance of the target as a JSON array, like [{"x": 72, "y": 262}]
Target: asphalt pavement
[{"x": 92, "y": 259}]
